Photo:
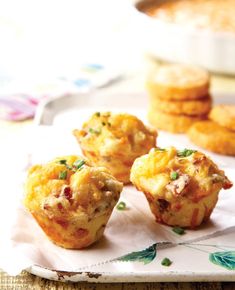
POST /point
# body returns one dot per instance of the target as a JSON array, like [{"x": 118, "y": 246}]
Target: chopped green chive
[
  {"x": 178, "y": 230},
  {"x": 97, "y": 114},
  {"x": 63, "y": 174},
  {"x": 185, "y": 152},
  {"x": 93, "y": 131},
  {"x": 174, "y": 175},
  {"x": 159, "y": 149},
  {"x": 64, "y": 162},
  {"x": 78, "y": 164},
  {"x": 166, "y": 262},
  {"x": 121, "y": 205}
]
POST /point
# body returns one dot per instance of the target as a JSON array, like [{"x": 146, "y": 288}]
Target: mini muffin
[
  {"x": 181, "y": 187},
  {"x": 178, "y": 82},
  {"x": 71, "y": 200},
  {"x": 172, "y": 122},
  {"x": 224, "y": 115},
  {"x": 115, "y": 141},
  {"x": 213, "y": 137}
]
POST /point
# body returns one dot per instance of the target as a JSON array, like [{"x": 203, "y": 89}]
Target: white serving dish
[{"x": 214, "y": 51}]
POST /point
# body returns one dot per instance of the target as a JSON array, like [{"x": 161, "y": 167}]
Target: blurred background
[
  {"x": 49, "y": 48},
  {"x": 52, "y": 38}
]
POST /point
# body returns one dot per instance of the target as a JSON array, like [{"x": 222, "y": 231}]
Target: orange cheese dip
[{"x": 215, "y": 15}]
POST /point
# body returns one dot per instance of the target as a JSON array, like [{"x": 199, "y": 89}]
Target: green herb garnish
[
  {"x": 178, "y": 230},
  {"x": 97, "y": 114},
  {"x": 93, "y": 131},
  {"x": 185, "y": 152},
  {"x": 166, "y": 262},
  {"x": 64, "y": 162},
  {"x": 159, "y": 149},
  {"x": 103, "y": 123},
  {"x": 174, "y": 175},
  {"x": 78, "y": 164},
  {"x": 121, "y": 205},
  {"x": 63, "y": 175}
]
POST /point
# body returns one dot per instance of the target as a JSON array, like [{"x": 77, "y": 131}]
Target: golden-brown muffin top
[
  {"x": 109, "y": 133},
  {"x": 69, "y": 185},
  {"x": 170, "y": 173}
]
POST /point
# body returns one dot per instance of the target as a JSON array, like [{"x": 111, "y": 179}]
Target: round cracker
[
  {"x": 189, "y": 108},
  {"x": 224, "y": 115},
  {"x": 213, "y": 137},
  {"x": 172, "y": 123},
  {"x": 178, "y": 82}
]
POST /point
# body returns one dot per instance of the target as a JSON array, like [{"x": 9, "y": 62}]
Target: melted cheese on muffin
[
  {"x": 71, "y": 200},
  {"x": 114, "y": 141},
  {"x": 181, "y": 186}
]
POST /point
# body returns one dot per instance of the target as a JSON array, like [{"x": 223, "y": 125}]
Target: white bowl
[{"x": 214, "y": 51}]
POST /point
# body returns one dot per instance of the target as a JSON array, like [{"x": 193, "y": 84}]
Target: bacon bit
[
  {"x": 97, "y": 210},
  {"x": 60, "y": 206},
  {"x": 81, "y": 233},
  {"x": 127, "y": 163},
  {"x": 199, "y": 159},
  {"x": 194, "y": 218},
  {"x": 218, "y": 178},
  {"x": 62, "y": 223},
  {"x": 67, "y": 192},
  {"x": 46, "y": 206},
  {"x": 163, "y": 205},
  {"x": 177, "y": 186},
  {"x": 227, "y": 184}
]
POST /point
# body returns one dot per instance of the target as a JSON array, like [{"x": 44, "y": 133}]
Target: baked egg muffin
[
  {"x": 181, "y": 187},
  {"x": 71, "y": 200},
  {"x": 115, "y": 141}
]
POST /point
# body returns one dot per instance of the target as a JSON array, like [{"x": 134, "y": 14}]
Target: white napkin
[{"x": 23, "y": 243}]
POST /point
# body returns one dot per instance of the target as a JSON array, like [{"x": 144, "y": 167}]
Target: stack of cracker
[
  {"x": 218, "y": 134},
  {"x": 179, "y": 97}
]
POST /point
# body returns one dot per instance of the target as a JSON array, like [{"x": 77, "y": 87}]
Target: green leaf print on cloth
[
  {"x": 224, "y": 259},
  {"x": 145, "y": 256}
]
